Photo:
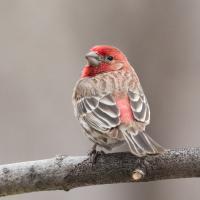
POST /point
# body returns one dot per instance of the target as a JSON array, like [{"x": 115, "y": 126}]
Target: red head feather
[{"x": 105, "y": 50}]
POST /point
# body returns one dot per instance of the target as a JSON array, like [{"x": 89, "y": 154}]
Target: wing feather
[
  {"x": 100, "y": 112},
  {"x": 139, "y": 105}
]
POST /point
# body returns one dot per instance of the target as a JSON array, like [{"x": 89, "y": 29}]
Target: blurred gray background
[{"x": 42, "y": 48}]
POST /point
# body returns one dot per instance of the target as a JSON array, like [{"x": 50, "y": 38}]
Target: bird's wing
[
  {"x": 139, "y": 104},
  {"x": 99, "y": 111},
  {"x": 139, "y": 142}
]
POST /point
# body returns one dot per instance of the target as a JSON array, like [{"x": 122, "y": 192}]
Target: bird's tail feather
[{"x": 141, "y": 144}]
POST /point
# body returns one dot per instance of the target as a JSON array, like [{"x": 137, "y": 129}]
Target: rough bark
[{"x": 66, "y": 172}]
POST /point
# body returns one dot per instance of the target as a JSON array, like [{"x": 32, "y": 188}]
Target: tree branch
[{"x": 66, "y": 172}]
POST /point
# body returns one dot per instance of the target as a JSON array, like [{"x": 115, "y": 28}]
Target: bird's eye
[{"x": 110, "y": 58}]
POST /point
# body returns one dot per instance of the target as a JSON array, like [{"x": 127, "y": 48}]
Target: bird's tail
[{"x": 141, "y": 144}]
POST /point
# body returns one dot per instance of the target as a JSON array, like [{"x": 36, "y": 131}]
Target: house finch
[{"x": 110, "y": 103}]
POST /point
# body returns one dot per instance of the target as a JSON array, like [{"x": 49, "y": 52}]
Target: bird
[{"x": 110, "y": 104}]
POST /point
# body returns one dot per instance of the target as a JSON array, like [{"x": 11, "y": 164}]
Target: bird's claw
[{"x": 94, "y": 155}]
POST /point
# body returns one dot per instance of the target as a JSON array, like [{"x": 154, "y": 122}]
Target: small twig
[{"x": 66, "y": 172}]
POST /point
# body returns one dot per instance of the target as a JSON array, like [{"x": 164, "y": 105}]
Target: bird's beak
[{"x": 93, "y": 58}]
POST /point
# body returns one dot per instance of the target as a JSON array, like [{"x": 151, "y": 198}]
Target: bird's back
[{"x": 114, "y": 82}]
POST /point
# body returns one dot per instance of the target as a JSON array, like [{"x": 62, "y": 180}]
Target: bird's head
[{"x": 102, "y": 59}]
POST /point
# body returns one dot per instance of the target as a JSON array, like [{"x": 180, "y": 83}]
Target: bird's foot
[{"x": 94, "y": 154}]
